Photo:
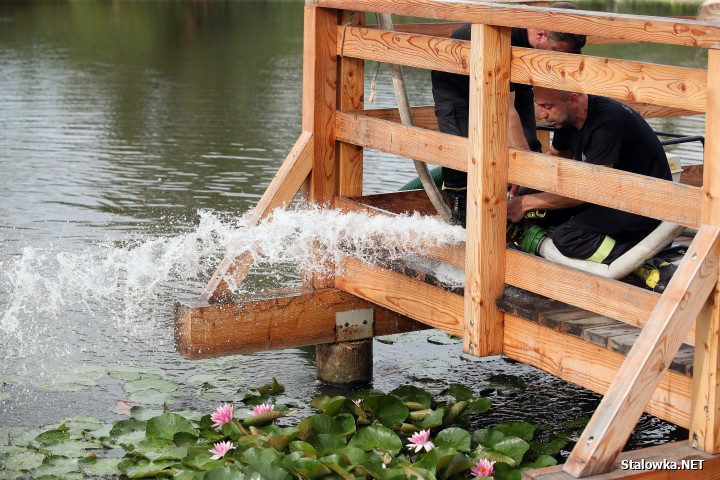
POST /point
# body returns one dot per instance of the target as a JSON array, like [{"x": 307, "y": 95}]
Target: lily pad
[
  {"x": 11, "y": 379},
  {"x": 376, "y": 437},
  {"x": 73, "y": 378},
  {"x": 54, "y": 465},
  {"x": 227, "y": 379},
  {"x": 151, "y": 397},
  {"x": 159, "y": 384},
  {"x": 4, "y": 396},
  {"x": 453, "y": 437},
  {"x": 413, "y": 394},
  {"x": 26, "y": 460},
  {"x": 167, "y": 425},
  {"x": 442, "y": 338},
  {"x": 398, "y": 338},
  {"x": 99, "y": 467},
  {"x": 387, "y": 409}
]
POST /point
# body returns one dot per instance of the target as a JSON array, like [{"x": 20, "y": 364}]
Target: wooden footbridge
[{"x": 326, "y": 164}]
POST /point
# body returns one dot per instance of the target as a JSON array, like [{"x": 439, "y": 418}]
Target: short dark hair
[{"x": 577, "y": 40}]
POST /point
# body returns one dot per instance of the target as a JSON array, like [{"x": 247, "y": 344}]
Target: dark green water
[{"x": 119, "y": 122}]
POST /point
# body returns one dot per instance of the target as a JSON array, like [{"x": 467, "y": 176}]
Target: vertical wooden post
[
  {"x": 320, "y": 97},
  {"x": 487, "y": 187},
  {"x": 320, "y": 79},
  {"x": 351, "y": 92},
  {"x": 705, "y": 413}
]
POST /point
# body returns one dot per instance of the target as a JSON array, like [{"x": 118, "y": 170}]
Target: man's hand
[{"x": 515, "y": 210}]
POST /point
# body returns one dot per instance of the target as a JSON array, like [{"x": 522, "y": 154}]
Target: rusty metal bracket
[{"x": 354, "y": 325}]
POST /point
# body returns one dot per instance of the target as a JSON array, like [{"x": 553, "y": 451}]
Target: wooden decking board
[
  {"x": 561, "y": 317},
  {"x": 597, "y": 329}
]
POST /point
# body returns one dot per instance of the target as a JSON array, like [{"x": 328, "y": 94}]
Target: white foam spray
[{"x": 56, "y": 302}]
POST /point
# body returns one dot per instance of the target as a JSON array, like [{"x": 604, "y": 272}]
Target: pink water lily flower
[
  {"x": 223, "y": 415},
  {"x": 483, "y": 468},
  {"x": 263, "y": 408},
  {"x": 420, "y": 440},
  {"x": 221, "y": 448},
  {"x": 357, "y": 402}
]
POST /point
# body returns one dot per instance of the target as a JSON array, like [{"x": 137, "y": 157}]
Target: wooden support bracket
[
  {"x": 293, "y": 318},
  {"x": 282, "y": 189},
  {"x": 621, "y": 407}
]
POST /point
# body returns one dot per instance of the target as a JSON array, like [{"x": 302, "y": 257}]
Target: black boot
[{"x": 458, "y": 206}]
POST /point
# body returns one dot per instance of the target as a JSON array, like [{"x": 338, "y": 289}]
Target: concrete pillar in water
[
  {"x": 344, "y": 363},
  {"x": 350, "y": 360}
]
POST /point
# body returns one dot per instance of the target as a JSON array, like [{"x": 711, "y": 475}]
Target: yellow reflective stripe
[
  {"x": 603, "y": 251},
  {"x": 457, "y": 189}
]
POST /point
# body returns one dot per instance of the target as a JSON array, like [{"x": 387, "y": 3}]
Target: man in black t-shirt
[
  {"x": 451, "y": 93},
  {"x": 604, "y": 132}
]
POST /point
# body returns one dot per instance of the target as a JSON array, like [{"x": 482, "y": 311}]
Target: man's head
[
  {"x": 556, "y": 41},
  {"x": 560, "y": 108}
]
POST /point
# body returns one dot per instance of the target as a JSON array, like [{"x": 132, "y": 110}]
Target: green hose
[{"x": 416, "y": 184}]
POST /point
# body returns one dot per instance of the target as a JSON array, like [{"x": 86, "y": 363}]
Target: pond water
[{"x": 132, "y": 137}]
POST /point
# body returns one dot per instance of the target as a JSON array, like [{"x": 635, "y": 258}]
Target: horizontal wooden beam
[
  {"x": 638, "y": 28},
  {"x": 638, "y": 194},
  {"x": 650, "y": 197},
  {"x": 630, "y": 304},
  {"x": 590, "y": 366},
  {"x": 425, "y": 303},
  {"x": 677, "y": 87},
  {"x": 418, "y": 143},
  {"x": 424, "y": 116},
  {"x": 294, "y": 318},
  {"x": 624, "y": 80},
  {"x": 697, "y": 464},
  {"x": 633, "y": 305}
]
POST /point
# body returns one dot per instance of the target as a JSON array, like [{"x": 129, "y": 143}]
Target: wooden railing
[{"x": 491, "y": 63}]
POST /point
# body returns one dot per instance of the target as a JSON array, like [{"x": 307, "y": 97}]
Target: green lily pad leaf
[
  {"x": 125, "y": 374},
  {"x": 166, "y": 453},
  {"x": 73, "y": 448},
  {"x": 167, "y": 425},
  {"x": 513, "y": 447},
  {"x": 187, "y": 474},
  {"x": 412, "y": 471},
  {"x": 435, "y": 419},
  {"x": 267, "y": 471},
  {"x": 52, "y": 437},
  {"x": 329, "y": 406},
  {"x": 443, "y": 338},
  {"x": 222, "y": 393},
  {"x": 227, "y": 472},
  {"x": 23, "y": 437},
  {"x": 398, "y": 338},
  {"x": 342, "y": 424},
  {"x": 54, "y": 465},
  {"x": 553, "y": 447},
  {"x": 83, "y": 424},
  {"x": 452, "y": 413},
  {"x": 523, "y": 430},
  {"x": 279, "y": 439},
  {"x": 144, "y": 414},
  {"x": 305, "y": 467},
  {"x": 4, "y": 396},
  {"x": 123, "y": 427},
  {"x": 376, "y": 437},
  {"x": 453, "y": 437},
  {"x": 508, "y": 382},
  {"x": 93, "y": 466},
  {"x": 10, "y": 449},
  {"x": 494, "y": 456},
  {"x": 145, "y": 469},
  {"x": 459, "y": 392},
  {"x": 261, "y": 455},
  {"x": 151, "y": 397},
  {"x": 458, "y": 463},
  {"x": 414, "y": 395},
  {"x": 158, "y": 384},
  {"x": 387, "y": 409},
  {"x": 479, "y": 405},
  {"x": 300, "y": 446},
  {"x": 542, "y": 461},
  {"x": 74, "y": 378},
  {"x": 21, "y": 461},
  {"x": 436, "y": 459},
  {"x": 272, "y": 388},
  {"x": 486, "y": 437}
]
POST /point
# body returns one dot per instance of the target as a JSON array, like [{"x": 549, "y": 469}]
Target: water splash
[{"x": 60, "y": 302}]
